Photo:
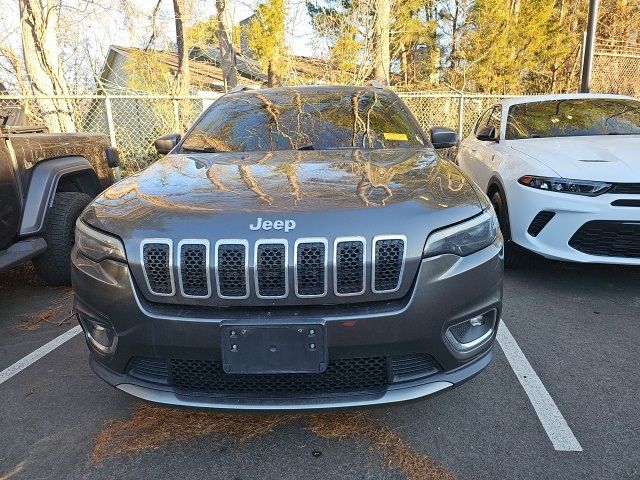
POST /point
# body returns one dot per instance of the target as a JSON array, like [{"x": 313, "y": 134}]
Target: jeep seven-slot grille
[
  {"x": 349, "y": 273},
  {"x": 193, "y": 270},
  {"x": 231, "y": 271},
  {"x": 311, "y": 277},
  {"x": 388, "y": 262},
  {"x": 271, "y": 270},
  {"x": 239, "y": 269},
  {"x": 156, "y": 258}
]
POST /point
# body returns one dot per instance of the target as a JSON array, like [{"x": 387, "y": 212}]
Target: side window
[
  {"x": 482, "y": 121},
  {"x": 494, "y": 119}
]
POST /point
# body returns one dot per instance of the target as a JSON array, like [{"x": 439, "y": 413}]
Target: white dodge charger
[{"x": 563, "y": 173}]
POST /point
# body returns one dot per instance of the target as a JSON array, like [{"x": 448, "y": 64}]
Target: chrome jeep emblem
[{"x": 261, "y": 224}]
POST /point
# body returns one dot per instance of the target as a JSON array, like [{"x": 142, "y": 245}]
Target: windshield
[
  {"x": 295, "y": 119},
  {"x": 573, "y": 118}
]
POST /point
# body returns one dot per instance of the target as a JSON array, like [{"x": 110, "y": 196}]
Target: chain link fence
[
  {"x": 134, "y": 122},
  {"x": 615, "y": 74}
]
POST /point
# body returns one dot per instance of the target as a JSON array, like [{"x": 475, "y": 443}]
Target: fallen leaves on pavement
[{"x": 152, "y": 427}]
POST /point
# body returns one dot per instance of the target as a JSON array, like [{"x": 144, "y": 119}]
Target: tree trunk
[
  {"x": 454, "y": 37},
  {"x": 515, "y": 10},
  {"x": 225, "y": 42},
  {"x": 404, "y": 65},
  {"x": 42, "y": 64},
  {"x": 271, "y": 75},
  {"x": 182, "y": 74},
  {"x": 381, "y": 54}
]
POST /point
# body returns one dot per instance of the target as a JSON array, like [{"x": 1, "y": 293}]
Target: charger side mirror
[{"x": 442, "y": 137}]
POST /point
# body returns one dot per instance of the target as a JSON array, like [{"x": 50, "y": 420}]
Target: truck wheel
[
  {"x": 514, "y": 257},
  {"x": 54, "y": 265}
]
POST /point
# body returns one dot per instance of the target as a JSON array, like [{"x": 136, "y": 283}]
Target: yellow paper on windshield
[{"x": 398, "y": 137}]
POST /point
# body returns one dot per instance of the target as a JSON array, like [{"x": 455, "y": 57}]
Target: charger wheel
[{"x": 514, "y": 256}]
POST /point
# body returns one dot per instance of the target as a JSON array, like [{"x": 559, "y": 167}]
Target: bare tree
[
  {"x": 154, "y": 25},
  {"x": 381, "y": 53},
  {"x": 182, "y": 74},
  {"x": 42, "y": 63},
  {"x": 225, "y": 42},
  {"x": 15, "y": 67}
]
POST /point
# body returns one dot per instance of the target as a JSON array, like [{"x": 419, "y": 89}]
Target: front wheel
[
  {"x": 54, "y": 265},
  {"x": 514, "y": 256}
]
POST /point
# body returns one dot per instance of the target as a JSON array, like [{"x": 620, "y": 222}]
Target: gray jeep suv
[{"x": 300, "y": 248}]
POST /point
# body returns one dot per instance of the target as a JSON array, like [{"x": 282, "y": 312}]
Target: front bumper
[
  {"x": 571, "y": 213},
  {"x": 447, "y": 290}
]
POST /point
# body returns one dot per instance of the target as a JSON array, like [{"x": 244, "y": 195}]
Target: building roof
[
  {"x": 204, "y": 68},
  {"x": 206, "y": 73}
]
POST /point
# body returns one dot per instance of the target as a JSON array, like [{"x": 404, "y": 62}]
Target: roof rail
[
  {"x": 375, "y": 84},
  {"x": 238, "y": 88}
]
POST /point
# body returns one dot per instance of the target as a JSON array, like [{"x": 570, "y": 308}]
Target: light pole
[{"x": 590, "y": 40}]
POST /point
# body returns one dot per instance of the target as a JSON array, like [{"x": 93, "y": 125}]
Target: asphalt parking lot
[{"x": 560, "y": 402}]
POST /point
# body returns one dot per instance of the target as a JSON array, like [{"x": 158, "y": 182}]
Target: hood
[
  {"x": 185, "y": 193},
  {"x": 286, "y": 196},
  {"x": 610, "y": 158}
]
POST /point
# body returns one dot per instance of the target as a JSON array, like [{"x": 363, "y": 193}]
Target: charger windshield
[
  {"x": 573, "y": 118},
  {"x": 294, "y": 119}
]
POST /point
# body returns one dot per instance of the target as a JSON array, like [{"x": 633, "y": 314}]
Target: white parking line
[
  {"x": 552, "y": 420},
  {"x": 36, "y": 355}
]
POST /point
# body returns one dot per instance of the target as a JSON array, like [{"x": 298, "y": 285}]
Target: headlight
[
  {"x": 96, "y": 245},
  {"x": 564, "y": 185},
  {"x": 465, "y": 238}
]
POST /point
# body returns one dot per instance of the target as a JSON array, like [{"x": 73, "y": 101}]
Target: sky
[{"x": 88, "y": 28}]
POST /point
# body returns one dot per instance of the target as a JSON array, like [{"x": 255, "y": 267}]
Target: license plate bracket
[{"x": 271, "y": 349}]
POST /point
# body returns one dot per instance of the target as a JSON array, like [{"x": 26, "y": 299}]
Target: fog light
[
  {"x": 100, "y": 336},
  {"x": 473, "y": 332}
]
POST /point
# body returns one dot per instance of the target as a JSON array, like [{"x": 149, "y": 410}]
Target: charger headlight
[
  {"x": 464, "y": 238},
  {"x": 565, "y": 185},
  {"x": 96, "y": 245}
]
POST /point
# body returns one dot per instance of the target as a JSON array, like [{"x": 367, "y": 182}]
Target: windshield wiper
[{"x": 199, "y": 150}]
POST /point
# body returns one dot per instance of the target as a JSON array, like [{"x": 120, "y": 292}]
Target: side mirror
[
  {"x": 442, "y": 137},
  {"x": 165, "y": 143},
  {"x": 113, "y": 157},
  {"x": 487, "y": 134}
]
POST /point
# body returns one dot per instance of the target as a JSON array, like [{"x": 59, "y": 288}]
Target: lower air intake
[
  {"x": 539, "y": 222},
  {"x": 608, "y": 239},
  {"x": 352, "y": 375},
  {"x": 152, "y": 370},
  {"x": 410, "y": 367},
  {"x": 348, "y": 375}
]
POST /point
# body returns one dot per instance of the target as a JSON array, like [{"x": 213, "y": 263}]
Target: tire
[
  {"x": 54, "y": 265},
  {"x": 514, "y": 256}
]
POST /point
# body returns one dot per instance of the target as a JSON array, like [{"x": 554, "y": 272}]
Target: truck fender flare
[{"x": 42, "y": 188}]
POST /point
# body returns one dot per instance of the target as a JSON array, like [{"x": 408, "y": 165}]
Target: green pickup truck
[{"x": 46, "y": 180}]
